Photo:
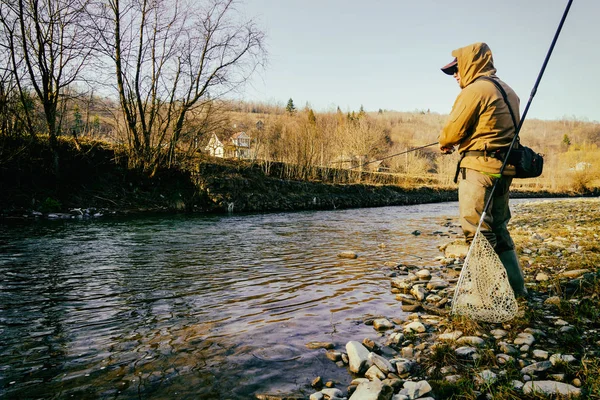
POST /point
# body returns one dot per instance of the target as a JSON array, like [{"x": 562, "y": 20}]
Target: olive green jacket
[{"x": 480, "y": 119}]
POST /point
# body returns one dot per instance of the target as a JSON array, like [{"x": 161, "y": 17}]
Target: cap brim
[{"x": 451, "y": 67}]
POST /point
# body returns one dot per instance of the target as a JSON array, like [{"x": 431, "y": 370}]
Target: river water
[{"x": 196, "y": 307}]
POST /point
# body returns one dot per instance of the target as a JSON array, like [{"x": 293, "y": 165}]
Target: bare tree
[
  {"x": 172, "y": 58},
  {"x": 49, "y": 46}
]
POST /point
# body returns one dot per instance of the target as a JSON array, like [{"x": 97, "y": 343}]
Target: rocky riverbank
[
  {"x": 549, "y": 350},
  {"x": 95, "y": 180}
]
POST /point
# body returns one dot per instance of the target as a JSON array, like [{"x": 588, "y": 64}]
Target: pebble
[
  {"x": 382, "y": 324},
  {"x": 551, "y": 388},
  {"x": 471, "y": 340},
  {"x": 320, "y": 345},
  {"x": 451, "y": 336},
  {"x": 415, "y": 327},
  {"x": 348, "y": 254},
  {"x": 576, "y": 273}
]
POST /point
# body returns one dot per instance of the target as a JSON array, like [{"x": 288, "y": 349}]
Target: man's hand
[{"x": 447, "y": 150}]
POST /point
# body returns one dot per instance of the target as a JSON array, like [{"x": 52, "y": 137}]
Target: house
[
  {"x": 241, "y": 145},
  {"x": 215, "y": 147},
  {"x": 237, "y": 146}
]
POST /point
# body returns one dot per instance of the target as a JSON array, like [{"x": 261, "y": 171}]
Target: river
[{"x": 191, "y": 307}]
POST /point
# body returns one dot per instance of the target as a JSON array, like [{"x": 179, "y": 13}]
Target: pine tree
[{"x": 290, "y": 108}]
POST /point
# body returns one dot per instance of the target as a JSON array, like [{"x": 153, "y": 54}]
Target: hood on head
[{"x": 474, "y": 60}]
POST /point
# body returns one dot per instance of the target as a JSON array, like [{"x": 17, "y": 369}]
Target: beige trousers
[{"x": 474, "y": 189}]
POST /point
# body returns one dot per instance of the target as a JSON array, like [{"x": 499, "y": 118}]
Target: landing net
[{"x": 483, "y": 292}]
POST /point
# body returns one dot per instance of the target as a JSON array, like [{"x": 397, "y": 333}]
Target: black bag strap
[{"x": 505, "y": 96}]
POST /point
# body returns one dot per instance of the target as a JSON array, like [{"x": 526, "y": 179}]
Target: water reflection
[{"x": 196, "y": 306}]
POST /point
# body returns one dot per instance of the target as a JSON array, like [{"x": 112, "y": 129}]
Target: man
[{"x": 481, "y": 125}]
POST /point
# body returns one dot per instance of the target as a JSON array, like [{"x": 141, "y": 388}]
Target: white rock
[
  {"x": 524, "y": 338},
  {"x": 402, "y": 367},
  {"x": 562, "y": 358},
  {"x": 553, "y": 300},
  {"x": 499, "y": 333},
  {"x": 540, "y": 366},
  {"x": 551, "y": 388},
  {"x": 382, "y": 324},
  {"x": 415, "y": 327},
  {"x": 414, "y": 390},
  {"x": 332, "y": 392},
  {"x": 358, "y": 356},
  {"x": 402, "y": 283},
  {"x": 540, "y": 354},
  {"x": 437, "y": 283},
  {"x": 542, "y": 277},
  {"x": 471, "y": 340},
  {"x": 317, "y": 396},
  {"x": 487, "y": 377},
  {"x": 419, "y": 292},
  {"x": 382, "y": 363},
  {"x": 451, "y": 336},
  {"x": 374, "y": 373},
  {"x": 348, "y": 254},
  {"x": 518, "y": 385},
  {"x": 575, "y": 273},
  {"x": 396, "y": 338},
  {"x": 465, "y": 351},
  {"x": 424, "y": 274},
  {"x": 371, "y": 391}
]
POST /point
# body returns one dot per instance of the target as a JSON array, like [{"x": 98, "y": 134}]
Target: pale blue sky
[{"x": 387, "y": 54}]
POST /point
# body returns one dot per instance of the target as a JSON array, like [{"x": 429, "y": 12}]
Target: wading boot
[{"x": 515, "y": 275}]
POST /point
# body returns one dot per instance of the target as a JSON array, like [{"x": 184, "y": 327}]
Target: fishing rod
[
  {"x": 533, "y": 92},
  {"x": 397, "y": 154}
]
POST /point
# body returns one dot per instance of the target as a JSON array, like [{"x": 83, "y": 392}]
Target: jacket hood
[{"x": 474, "y": 60}]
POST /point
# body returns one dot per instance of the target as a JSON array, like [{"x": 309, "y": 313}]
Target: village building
[{"x": 239, "y": 145}]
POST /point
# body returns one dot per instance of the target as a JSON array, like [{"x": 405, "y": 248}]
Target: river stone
[
  {"x": 348, "y": 254},
  {"x": 403, "y": 284},
  {"x": 504, "y": 358},
  {"x": 540, "y": 354},
  {"x": 395, "y": 338},
  {"x": 437, "y": 284},
  {"x": 499, "y": 333},
  {"x": 374, "y": 390},
  {"x": 465, "y": 351},
  {"x": 551, "y": 388},
  {"x": 456, "y": 250},
  {"x": 415, "y": 327},
  {"x": 317, "y": 396},
  {"x": 562, "y": 358},
  {"x": 414, "y": 390},
  {"x": 333, "y": 355},
  {"x": 540, "y": 366},
  {"x": 403, "y": 366},
  {"x": 542, "y": 277},
  {"x": 424, "y": 274},
  {"x": 508, "y": 348},
  {"x": 382, "y": 363},
  {"x": 374, "y": 373},
  {"x": 575, "y": 273},
  {"x": 382, "y": 324},
  {"x": 320, "y": 345},
  {"x": 486, "y": 377},
  {"x": 472, "y": 340},
  {"x": 358, "y": 356},
  {"x": 333, "y": 392},
  {"x": 524, "y": 338},
  {"x": 419, "y": 292},
  {"x": 450, "y": 336}
]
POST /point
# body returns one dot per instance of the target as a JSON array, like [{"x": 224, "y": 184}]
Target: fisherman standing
[{"x": 480, "y": 124}]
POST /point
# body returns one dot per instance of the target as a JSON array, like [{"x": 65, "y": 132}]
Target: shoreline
[{"x": 549, "y": 349}]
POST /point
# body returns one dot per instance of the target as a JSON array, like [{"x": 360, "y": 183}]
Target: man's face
[{"x": 457, "y": 77}]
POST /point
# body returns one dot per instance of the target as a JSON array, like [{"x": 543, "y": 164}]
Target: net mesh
[{"x": 483, "y": 292}]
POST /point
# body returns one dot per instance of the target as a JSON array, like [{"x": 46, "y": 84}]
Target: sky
[{"x": 387, "y": 54}]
